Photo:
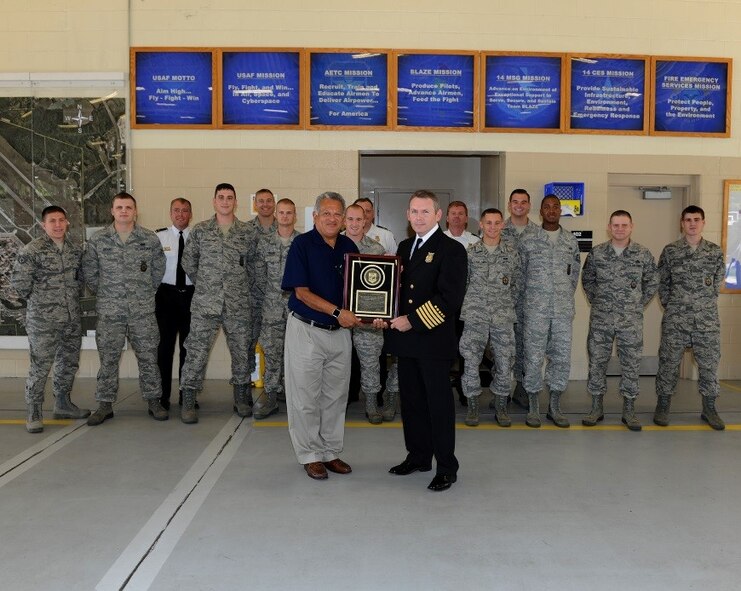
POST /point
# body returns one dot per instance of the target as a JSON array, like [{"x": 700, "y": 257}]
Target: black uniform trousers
[
  {"x": 428, "y": 412},
  {"x": 172, "y": 308}
]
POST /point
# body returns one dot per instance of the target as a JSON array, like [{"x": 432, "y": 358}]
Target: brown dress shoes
[
  {"x": 316, "y": 471},
  {"x": 338, "y": 466}
]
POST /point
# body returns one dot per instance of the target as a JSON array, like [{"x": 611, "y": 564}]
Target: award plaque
[{"x": 372, "y": 286}]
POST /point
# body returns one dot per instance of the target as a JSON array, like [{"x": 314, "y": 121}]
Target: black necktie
[
  {"x": 417, "y": 246},
  {"x": 179, "y": 273}
]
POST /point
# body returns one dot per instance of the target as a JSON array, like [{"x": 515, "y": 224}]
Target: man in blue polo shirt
[{"x": 318, "y": 345}]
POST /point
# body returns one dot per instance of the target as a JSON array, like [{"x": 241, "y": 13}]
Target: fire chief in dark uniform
[{"x": 433, "y": 283}]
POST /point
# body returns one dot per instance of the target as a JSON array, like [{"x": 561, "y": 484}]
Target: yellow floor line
[
  {"x": 493, "y": 427},
  {"x": 730, "y": 386}
]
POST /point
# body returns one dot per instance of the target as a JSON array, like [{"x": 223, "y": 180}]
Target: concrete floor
[{"x": 134, "y": 504}]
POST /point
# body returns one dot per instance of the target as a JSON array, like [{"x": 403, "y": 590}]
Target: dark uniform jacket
[{"x": 433, "y": 284}]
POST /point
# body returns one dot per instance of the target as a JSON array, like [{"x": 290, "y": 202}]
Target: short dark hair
[
  {"x": 550, "y": 196},
  {"x": 52, "y": 209},
  {"x": 225, "y": 187},
  {"x": 264, "y": 191},
  {"x": 286, "y": 200},
  {"x": 182, "y": 200},
  {"x": 621, "y": 212},
  {"x": 363, "y": 200},
  {"x": 426, "y": 194},
  {"x": 123, "y": 195},
  {"x": 693, "y": 209},
  {"x": 457, "y": 204},
  {"x": 491, "y": 210},
  {"x": 520, "y": 192}
]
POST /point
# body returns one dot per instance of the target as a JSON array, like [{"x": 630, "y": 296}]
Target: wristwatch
[{"x": 336, "y": 312}]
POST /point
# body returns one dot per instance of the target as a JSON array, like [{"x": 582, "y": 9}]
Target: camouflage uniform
[
  {"x": 367, "y": 340},
  {"x": 689, "y": 283},
  {"x": 270, "y": 263},
  {"x": 50, "y": 280},
  {"x": 550, "y": 274},
  {"x": 618, "y": 287},
  {"x": 509, "y": 233},
  {"x": 489, "y": 315},
  {"x": 222, "y": 268},
  {"x": 125, "y": 278},
  {"x": 260, "y": 232}
]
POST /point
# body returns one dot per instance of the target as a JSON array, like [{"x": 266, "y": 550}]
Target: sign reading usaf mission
[
  {"x": 691, "y": 96},
  {"x": 436, "y": 90},
  {"x": 522, "y": 92},
  {"x": 608, "y": 94},
  {"x": 172, "y": 88},
  {"x": 261, "y": 88},
  {"x": 348, "y": 89}
]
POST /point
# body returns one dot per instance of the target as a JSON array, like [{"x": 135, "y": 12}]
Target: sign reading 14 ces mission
[
  {"x": 691, "y": 96},
  {"x": 260, "y": 88},
  {"x": 348, "y": 89},
  {"x": 608, "y": 94},
  {"x": 173, "y": 88}
]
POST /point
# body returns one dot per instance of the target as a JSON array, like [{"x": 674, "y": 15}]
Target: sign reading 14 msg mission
[
  {"x": 261, "y": 87},
  {"x": 523, "y": 92},
  {"x": 691, "y": 96},
  {"x": 435, "y": 90},
  {"x": 607, "y": 94},
  {"x": 174, "y": 88},
  {"x": 349, "y": 89}
]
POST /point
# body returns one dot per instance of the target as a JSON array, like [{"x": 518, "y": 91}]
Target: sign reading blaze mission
[
  {"x": 691, "y": 96},
  {"x": 608, "y": 94},
  {"x": 261, "y": 88},
  {"x": 348, "y": 89},
  {"x": 522, "y": 92},
  {"x": 435, "y": 90},
  {"x": 173, "y": 88}
]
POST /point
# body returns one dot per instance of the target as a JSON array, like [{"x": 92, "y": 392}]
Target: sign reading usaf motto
[
  {"x": 522, "y": 92},
  {"x": 173, "y": 88},
  {"x": 691, "y": 96},
  {"x": 348, "y": 89},
  {"x": 260, "y": 88},
  {"x": 608, "y": 94},
  {"x": 435, "y": 90}
]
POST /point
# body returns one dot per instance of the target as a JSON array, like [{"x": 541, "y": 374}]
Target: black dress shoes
[
  {"x": 442, "y": 482},
  {"x": 407, "y": 467}
]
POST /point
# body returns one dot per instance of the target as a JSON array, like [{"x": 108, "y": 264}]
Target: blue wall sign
[
  {"x": 435, "y": 90},
  {"x": 174, "y": 88},
  {"x": 261, "y": 88},
  {"x": 522, "y": 92}
]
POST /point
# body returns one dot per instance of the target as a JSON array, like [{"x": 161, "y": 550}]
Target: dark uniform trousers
[
  {"x": 172, "y": 308},
  {"x": 433, "y": 283}
]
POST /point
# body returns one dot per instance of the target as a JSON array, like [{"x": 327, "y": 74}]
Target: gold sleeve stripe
[{"x": 430, "y": 315}]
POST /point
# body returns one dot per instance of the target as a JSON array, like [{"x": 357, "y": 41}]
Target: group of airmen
[{"x": 185, "y": 283}]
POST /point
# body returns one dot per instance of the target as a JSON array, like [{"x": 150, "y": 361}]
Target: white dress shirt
[{"x": 170, "y": 237}]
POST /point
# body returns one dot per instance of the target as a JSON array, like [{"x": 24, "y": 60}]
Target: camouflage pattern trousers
[
  {"x": 547, "y": 339},
  {"x": 203, "y": 331},
  {"x": 52, "y": 343},
  {"x": 706, "y": 348},
  {"x": 110, "y": 337},
  {"x": 518, "y": 368},
  {"x": 272, "y": 337},
  {"x": 368, "y": 343},
  {"x": 629, "y": 339},
  {"x": 501, "y": 339}
]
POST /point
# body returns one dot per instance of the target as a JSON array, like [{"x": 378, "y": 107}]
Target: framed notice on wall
[
  {"x": 522, "y": 92},
  {"x": 691, "y": 96},
  {"x": 172, "y": 88},
  {"x": 348, "y": 89},
  {"x": 260, "y": 88},
  {"x": 732, "y": 236},
  {"x": 607, "y": 94},
  {"x": 436, "y": 91}
]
